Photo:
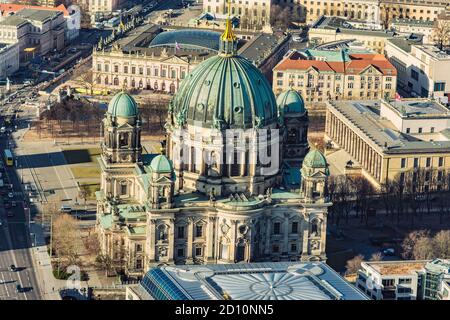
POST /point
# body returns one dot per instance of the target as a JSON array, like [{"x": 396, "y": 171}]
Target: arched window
[
  {"x": 172, "y": 88},
  {"x": 315, "y": 227},
  {"x": 123, "y": 139},
  {"x": 116, "y": 81},
  {"x": 162, "y": 232}
]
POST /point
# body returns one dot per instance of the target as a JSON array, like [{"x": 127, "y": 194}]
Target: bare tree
[
  {"x": 363, "y": 191},
  {"x": 409, "y": 243},
  {"x": 441, "y": 244},
  {"x": 85, "y": 78},
  {"x": 386, "y": 193},
  {"x": 354, "y": 264},
  {"x": 377, "y": 256},
  {"x": 66, "y": 240},
  {"x": 423, "y": 249},
  {"x": 441, "y": 33}
]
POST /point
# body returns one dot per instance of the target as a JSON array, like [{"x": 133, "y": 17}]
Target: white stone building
[
  {"x": 422, "y": 69},
  {"x": 9, "y": 59},
  {"x": 203, "y": 202}
]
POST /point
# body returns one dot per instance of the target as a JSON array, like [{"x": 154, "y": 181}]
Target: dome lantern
[{"x": 228, "y": 40}]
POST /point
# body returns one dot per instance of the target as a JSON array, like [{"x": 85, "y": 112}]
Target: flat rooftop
[
  {"x": 397, "y": 267},
  {"x": 413, "y": 22},
  {"x": 420, "y": 109},
  {"x": 335, "y": 23},
  {"x": 364, "y": 118},
  {"x": 13, "y": 21},
  {"x": 37, "y": 15},
  {"x": 434, "y": 52},
  {"x": 250, "y": 281}
]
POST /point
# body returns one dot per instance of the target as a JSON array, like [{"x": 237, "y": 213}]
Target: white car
[{"x": 10, "y": 195}]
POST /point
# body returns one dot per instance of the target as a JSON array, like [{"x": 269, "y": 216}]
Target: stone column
[
  {"x": 286, "y": 233},
  {"x": 268, "y": 236},
  {"x": 233, "y": 243},
  {"x": 171, "y": 237},
  {"x": 190, "y": 239},
  {"x": 152, "y": 246},
  {"x": 305, "y": 230}
]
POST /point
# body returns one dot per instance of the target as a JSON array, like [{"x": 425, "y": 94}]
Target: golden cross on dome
[{"x": 228, "y": 34}]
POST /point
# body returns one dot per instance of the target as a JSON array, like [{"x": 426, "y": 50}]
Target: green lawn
[{"x": 85, "y": 172}]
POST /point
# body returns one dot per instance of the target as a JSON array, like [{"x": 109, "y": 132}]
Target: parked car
[
  {"x": 10, "y": 214},
  {"x": 7, "y": 205},
  {"x": 18, "y": 288},
  {"x": 12, "y": 268},
  {"x": 389, "y": 252},
  {"x": 10, "y": 195},
  {"x": 14, "y": 204}
]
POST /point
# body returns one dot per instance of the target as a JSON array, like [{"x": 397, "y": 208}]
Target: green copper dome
[
  {"x": 315, "y": 159},
  {"x": 123, "y": 105},
  {"x": 160, "y": 164},
  {"x": 225, "y": 90},
  {"x": 291, "y": 101}
]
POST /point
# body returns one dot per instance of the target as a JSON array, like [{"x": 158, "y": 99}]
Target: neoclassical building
[{"x": 237, "y": 182}]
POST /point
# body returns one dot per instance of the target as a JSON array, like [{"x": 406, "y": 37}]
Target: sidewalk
[{"x": 48, "y": 284}]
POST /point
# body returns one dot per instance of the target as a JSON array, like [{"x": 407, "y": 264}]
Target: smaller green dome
[
  {"x": 315, "y": 159},
  {"x": 291, "y": 101},
  {"x": 123, "y": 105},
  {"x": 160, "y": 164}
]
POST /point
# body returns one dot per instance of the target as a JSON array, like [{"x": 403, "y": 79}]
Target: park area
[{"x": 85, "y": 168}]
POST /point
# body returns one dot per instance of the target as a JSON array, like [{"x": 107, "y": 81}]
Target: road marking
[
  {"x": 57, "y": 174},
  {"x": 3, "y": 282}
]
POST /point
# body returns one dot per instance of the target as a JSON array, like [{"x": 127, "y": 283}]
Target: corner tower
[
  {"x": 122, "y": 130},
  {"x": 121, "y": 146}
]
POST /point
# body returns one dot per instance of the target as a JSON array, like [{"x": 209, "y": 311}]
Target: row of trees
[
  {"x": 415, "y": 192},
  {"x": 420, "y": 245},
  {"x": 410, "y": 195},
  {"x": 417, "y": 245},
  {"x": 349, "y": 194},
  {"x": 82, "y": 117}
]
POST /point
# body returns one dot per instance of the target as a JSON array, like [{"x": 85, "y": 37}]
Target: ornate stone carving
[
  {"x": 224, "y": 228},
  {"x": 315, "y": 244}
]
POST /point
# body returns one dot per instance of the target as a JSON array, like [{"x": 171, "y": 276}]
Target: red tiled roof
[
  {"x": 359, "y": 63},
  {"x": 6, "y": 8}
]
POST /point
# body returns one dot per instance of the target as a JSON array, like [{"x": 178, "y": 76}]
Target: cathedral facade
[{"x": 236, "y": 183}]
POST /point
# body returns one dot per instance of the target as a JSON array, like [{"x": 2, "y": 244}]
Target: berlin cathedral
[{"x": 202, "y": 201}]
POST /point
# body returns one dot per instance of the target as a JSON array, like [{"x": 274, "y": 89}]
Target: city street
[{"x": 15, "y": 245}]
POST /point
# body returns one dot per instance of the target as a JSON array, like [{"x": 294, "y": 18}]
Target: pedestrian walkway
[{"x": 48, "y": 284}]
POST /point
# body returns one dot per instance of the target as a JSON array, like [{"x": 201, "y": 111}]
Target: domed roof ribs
[
  {"x": 218, "y": 111},
  {"x": 243, "y": 77}
]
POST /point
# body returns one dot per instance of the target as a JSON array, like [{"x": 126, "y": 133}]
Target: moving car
[
  {"x": 10, "y": 195},
  {"x": 65, "y": 209},
  {"x": 13, "y": 204}
]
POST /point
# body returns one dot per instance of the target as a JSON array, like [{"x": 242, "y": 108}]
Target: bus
[{"x": 8, "y": 157}]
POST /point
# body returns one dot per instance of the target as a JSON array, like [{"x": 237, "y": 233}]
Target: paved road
[{"x": 15, "y": 245}]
